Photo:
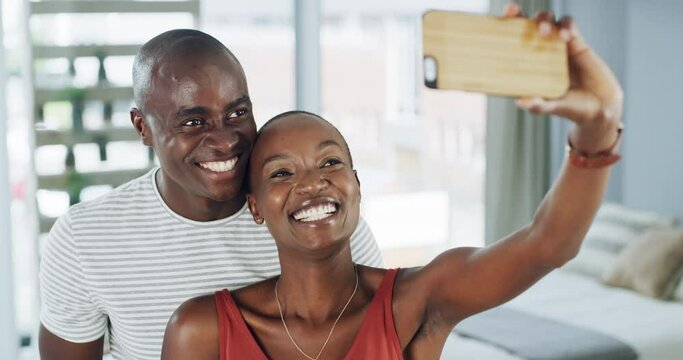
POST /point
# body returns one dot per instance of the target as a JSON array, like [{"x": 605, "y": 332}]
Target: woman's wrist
[
  {"x": 596, "y": 137},
  {"x": 598, "y": 159}
]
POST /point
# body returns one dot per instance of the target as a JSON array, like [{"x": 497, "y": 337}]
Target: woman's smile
[{"x": 315, "y": 209}]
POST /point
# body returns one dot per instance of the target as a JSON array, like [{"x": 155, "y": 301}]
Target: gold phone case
[{"x": 493, "y": 55}]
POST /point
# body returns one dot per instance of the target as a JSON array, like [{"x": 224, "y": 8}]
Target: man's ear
[
  {"x": 138, "y": 120},
  {"x": 355, "y": 173},
  {"x": 251, "y": 201}
]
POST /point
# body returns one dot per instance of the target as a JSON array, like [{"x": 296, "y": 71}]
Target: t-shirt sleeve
[
  {"x": 364, "y": 249},
  {"x": 66, "y": 307}
]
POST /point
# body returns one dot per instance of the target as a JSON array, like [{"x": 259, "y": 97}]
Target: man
[{"x": 125, "y": 261}]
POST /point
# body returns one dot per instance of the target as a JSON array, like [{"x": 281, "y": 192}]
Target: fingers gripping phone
[{"x": 493, "y": 55}]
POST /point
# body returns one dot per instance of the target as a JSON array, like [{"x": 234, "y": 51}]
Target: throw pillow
[{"x": 650, "y": 264}]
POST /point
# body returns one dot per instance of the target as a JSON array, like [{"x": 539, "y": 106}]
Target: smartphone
[{"x": 492, "y": 55}]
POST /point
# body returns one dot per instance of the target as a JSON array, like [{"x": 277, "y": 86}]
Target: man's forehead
[
  {"x": 175, "y": 68},
  {"x": 184, "y": 82}
]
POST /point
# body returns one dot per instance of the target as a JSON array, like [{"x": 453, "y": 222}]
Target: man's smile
[{"x": 219, "y": 166}]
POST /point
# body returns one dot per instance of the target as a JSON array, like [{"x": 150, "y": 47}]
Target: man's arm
[
  {"x": 72, "y": 327},
  {"x": 53, "y": 347}
]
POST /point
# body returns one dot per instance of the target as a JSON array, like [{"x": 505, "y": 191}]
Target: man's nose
[
  {"x": 313, "y": 182},
  {"x": 221, "y": 138}
]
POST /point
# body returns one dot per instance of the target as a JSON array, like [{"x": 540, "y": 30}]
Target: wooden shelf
[
  {"x": 108, "y": 6},
  {"x": 103, "y": 93},
  {"x": 69, "y": 138},
  {"x": 111, "y": 177},
  {"x": 49, "y": 52}
]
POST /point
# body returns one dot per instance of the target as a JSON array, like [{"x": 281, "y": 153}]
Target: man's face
[
  {"x": 202, "y": 125},
  {"x": 303, "y": 185}
]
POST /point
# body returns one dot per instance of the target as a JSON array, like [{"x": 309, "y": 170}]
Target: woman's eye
[{"x": 280, "y": 173}]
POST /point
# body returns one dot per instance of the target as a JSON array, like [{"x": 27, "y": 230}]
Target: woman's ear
[{"x": 251, "y": 200}]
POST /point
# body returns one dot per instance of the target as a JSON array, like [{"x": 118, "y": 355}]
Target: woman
[{"x": 304, "y": 188}]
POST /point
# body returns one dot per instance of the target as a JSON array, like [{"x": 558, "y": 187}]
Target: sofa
[{"x": 620, "y": 298}]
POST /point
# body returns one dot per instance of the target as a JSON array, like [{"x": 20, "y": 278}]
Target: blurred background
[{"x": 421, "y": 154}]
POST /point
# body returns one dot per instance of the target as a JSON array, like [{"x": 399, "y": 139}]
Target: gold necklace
[{"x": 279, "y": 307}]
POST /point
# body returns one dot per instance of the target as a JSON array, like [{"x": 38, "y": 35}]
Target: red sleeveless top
[{"x": 376, "y": 339}]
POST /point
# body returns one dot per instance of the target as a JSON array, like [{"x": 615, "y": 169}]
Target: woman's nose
[{"x": 312, "y": 183}]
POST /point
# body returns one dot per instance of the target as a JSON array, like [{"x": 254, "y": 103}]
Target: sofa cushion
[{"x": 650, "y": 264}]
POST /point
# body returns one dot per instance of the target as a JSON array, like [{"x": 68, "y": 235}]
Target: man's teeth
[
  {"x": 219, "y": 166},
  {"x": 315, "y": 213}
]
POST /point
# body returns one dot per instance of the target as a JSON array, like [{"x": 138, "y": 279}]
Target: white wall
[
  {"x": 653, "y": 175},
  {"x": 641, "y": 41}
]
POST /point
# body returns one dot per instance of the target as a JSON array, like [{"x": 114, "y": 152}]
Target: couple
[{"x": 193, "y": 109}]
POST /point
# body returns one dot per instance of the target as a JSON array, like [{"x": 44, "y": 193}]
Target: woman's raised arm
[{"x": 465, "y": 281}]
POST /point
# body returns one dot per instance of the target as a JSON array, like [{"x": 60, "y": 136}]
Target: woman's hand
[{"x": 594, "y": 100}]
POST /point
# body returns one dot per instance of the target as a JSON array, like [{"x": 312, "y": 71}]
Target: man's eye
[
  {"x": 331, "y": 162},
  {"x": 192, "y": 122},
  {"x": 280, "y": 173},
  {"x": 238, "y": 113}
]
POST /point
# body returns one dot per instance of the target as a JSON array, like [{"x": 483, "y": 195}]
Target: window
[
  {"x": 419, "y": 152},
  {"x": 261, "y": 35}
]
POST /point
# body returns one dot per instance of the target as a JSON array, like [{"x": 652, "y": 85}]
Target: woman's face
[{"x": 303, "y": 185}]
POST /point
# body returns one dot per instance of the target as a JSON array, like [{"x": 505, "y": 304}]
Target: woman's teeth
[
  {"x": 219, "y": 166},
  {"x": 315, "y": 213}
]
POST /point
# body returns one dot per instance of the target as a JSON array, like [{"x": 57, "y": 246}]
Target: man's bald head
[{"x": 173, "y": 45}]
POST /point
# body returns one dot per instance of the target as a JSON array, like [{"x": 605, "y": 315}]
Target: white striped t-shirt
[{"x": 126, "y": 261}]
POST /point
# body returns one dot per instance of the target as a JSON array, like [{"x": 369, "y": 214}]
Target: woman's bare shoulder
[
  {"x": 195, "y": 314},
  {"x": 192, "y": 330}
]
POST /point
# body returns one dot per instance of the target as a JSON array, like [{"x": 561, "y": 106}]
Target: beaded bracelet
[{"x": 596, "y": 160}]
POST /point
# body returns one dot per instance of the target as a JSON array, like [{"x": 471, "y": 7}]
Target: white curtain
[{"x": 517, "y": 155}]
